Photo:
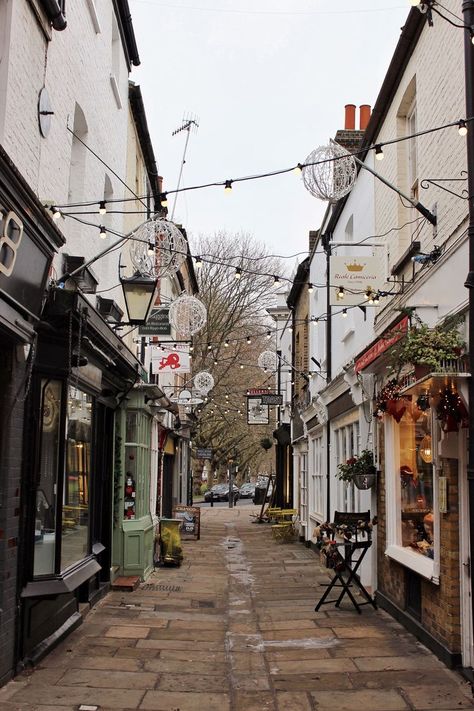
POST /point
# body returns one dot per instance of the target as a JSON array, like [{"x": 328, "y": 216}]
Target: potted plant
[
  {"x": 360, "y": 469},
  {"x": 427, "y": 347}
]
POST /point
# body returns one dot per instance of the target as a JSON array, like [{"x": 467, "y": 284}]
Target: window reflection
[
  {"x": 45, "y": 511},
  {"x": 416, "y": 481},
  {"x": 75, "y": 518}
]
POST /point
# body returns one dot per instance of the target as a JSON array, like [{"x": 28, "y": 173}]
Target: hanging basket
[{"x": 365, "y": 480}]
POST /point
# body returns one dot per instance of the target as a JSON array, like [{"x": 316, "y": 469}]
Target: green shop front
[{"x": 135, "y": 485}]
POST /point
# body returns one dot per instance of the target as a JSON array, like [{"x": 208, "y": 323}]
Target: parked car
[
  {"x": 224, "y": 494},
  {"x": 214, "y": 492},
  {"x": 247, "y": 491}
]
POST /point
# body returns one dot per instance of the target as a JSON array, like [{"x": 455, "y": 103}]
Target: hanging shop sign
[
  {"x": 352, "y": 277},
  {"x": 204, "y": 453},
  {"x": 158, "y": 323},
  {"x": 388, "y": 339},
  {"x": 166, "y": 359},
  {"x": 272, "y": 399},
  {"x": 257, "y": 412},
  {"x": 190, "y": 517}
]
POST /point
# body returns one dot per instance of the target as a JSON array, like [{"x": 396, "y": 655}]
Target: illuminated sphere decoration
[
  {"x": 187, "y": 315},
  {"x": 169, "y": 243},
  {"x": 203, "y": 381},
  {"x": 267, "y": 360},
  {"x": 332, "y": 179}
]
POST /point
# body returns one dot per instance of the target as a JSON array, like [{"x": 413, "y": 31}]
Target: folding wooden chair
[{"x": 347, "y": 556}]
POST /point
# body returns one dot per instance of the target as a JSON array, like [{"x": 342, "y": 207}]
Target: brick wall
[
  {"x": 11, "y": 437},
  {"x": 440, "y": 607}
]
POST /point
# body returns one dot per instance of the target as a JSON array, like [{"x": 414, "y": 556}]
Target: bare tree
[{"x": 229, "y": 345}]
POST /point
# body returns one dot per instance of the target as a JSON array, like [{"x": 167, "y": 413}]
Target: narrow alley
[{"x": 234, "y": 629}]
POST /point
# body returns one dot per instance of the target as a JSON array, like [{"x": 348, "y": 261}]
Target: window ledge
[
  {"x": 64, "y": 583},
  {"x": 415, "y": 561},
  {"x": 115, "y": 89}
]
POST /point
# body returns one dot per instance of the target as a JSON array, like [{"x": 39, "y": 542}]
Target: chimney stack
[
  {"x": 349, "y": 123},
  {"x": 364, "y": 116}
]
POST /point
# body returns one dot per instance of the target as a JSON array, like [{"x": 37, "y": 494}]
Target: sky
[{"x": 267, "y": 82}]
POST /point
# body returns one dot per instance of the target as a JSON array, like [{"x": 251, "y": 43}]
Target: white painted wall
[{"x": 75, "y": 66}]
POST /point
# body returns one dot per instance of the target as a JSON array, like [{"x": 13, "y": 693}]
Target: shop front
[
  {"x": 423, "y": 521},
  {"x": 81, "y": 376},
  {"x": 28, "y": 241}
]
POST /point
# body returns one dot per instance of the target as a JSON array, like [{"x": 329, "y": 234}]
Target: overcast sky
[{"x": 267, "y": 81}]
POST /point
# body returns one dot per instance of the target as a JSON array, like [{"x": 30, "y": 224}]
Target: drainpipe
[
  {"x": 325, "y": 240},
  {"x": 468, "y": 16}
]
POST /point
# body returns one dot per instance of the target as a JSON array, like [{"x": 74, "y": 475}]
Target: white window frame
[
  {"x": 426, "y": 567},
  {"x": 346, "y": 443},
  {"x": 316, "y": 482},
  {"x": 303, "y": 486},
  {"x": 412, "y": 149}
]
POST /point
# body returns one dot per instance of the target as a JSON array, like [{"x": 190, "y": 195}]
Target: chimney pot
[
  {"x": 349, "y": 123},
  {"x": 364, "y": 116}
]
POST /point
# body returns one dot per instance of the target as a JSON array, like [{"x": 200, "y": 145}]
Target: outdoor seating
[{"x": 344, "y": 545}]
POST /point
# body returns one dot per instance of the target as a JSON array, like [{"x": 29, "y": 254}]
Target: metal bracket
[{"x": 426, "y": 182}]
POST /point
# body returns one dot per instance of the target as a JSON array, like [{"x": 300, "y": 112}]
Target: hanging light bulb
[
  {"x": 269, "y": 334},
  {"x": 151, "y": 248},
  {"x": 370, "y": 297},
  {"x": 249, "y": 340},
  {"x": 415, "y": 3},
  {"x": 209, "y": 347},
  {"x": 241, "y": 366},
  {"x": 164, "y": 199},
  {"x": 377, "y": 298},
  {"x": 310, "y": 288},
  {"x": 368, "y": 294},
  {"x": 238, "y": 273},
  {"x": 276, "y": 280},
  {"x": 462, "y": 130},
  {"x": 228, "y": 186},
  {"x": 191, "y": 348},
  {"x": 344, "y": 313},
  {"x": 198, "y": 262},
  {"x": 102, "y": 232},
  {"x": 425, "y": 450},
  {"x": 102, "y": 208},
  {"x": 298, "y": 169},
  {"x": 379, "y": 152},
  {"x": 226, "y": 344},
  {"x": 314, "y": 321},
  {"x": 340, "y": 293},
  {"x": 56, "y": 213},
  {"x": 215, "y": 361}
]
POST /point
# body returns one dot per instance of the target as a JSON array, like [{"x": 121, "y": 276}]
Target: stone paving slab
[{"x": 234, "y": 629}]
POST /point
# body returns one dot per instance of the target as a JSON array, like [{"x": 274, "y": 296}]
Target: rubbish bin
[
  {"x": 171, "y": 552},
  {"x": 259, "y": 496}
]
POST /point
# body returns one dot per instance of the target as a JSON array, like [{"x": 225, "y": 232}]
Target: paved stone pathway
[{"x": 234, "y": 629}]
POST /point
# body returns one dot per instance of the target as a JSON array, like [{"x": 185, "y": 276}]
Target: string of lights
[{"x": 461, "y": 124}]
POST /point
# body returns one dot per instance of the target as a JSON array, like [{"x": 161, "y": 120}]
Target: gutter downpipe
[
  {"x": 325, "y": 239},
  {"x": 468, "y": 16}
]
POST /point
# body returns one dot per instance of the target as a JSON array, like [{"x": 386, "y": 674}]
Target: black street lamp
[{"x": 139, "y": 294}]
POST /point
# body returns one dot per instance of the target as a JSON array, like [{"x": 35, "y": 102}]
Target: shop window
[
  {"x": 416, "y": 484},
  {"x": 317, "y": 475},
  {"x": 346, "y": 439},
  {"x": 411, "y": 492},
  {"x": 45, "y": 509},
  {"x": 75, "y": 509},
  {"x": 137, "y": 462}
]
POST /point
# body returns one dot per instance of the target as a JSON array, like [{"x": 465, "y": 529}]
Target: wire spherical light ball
[
  {"x": 267, "y": 360},
  {"x": 167, "y": 244},
  {"x": 187, "y": 315},
  {"x": 330, "y": 172},
  {"x": 203, "y": 381}
]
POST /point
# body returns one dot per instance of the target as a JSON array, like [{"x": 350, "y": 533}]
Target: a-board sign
[
  {"x": 190, "y": 517},
  {"x": 272, "y": 399},
  {"x": 204, "y": 453}
]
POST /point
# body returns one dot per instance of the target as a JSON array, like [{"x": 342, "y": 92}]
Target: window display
[
  {"x": 416, "y": 481},
  {"x": 75, "y": 515},
  {"x": 45, "y": 514}
]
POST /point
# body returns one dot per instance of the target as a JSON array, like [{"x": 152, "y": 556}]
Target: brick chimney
[
  {"x": 349, "y": 137},
  {"x": 364, "y": 116}
]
